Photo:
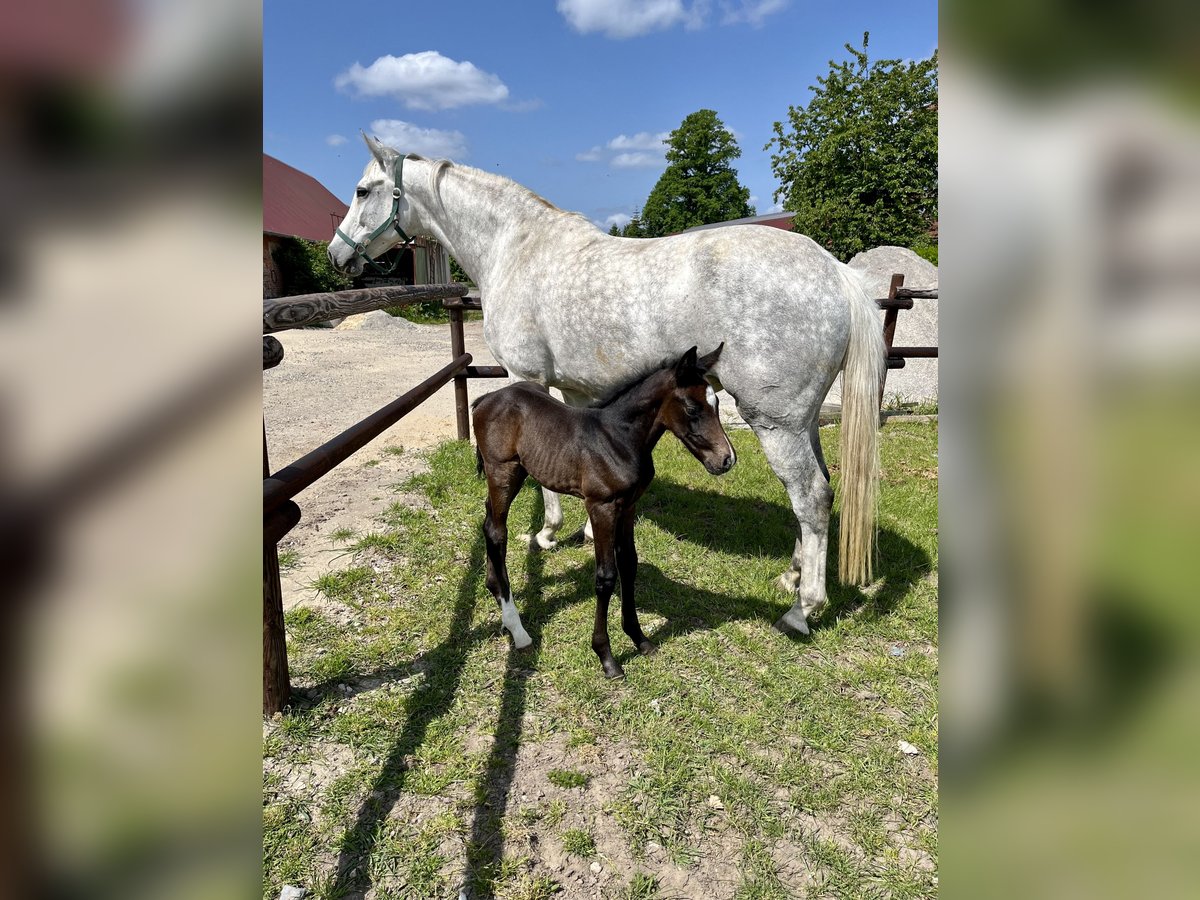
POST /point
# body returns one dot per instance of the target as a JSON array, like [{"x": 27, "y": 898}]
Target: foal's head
[{"x": 690, "y": 413}]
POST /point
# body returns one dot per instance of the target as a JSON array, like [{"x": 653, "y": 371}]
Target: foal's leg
[
  {"x": 503, "y": 483},
  {"x": 792, "y": 457},
  {"x": 627, "y": 561},
  {"x": 603, "y": 515}
]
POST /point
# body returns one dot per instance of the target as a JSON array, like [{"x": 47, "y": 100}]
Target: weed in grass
[
  {"x": 554, "y": 813},
  {"x": 388, "y": 542},
  {"x": 640, "y": 887},
  {"x": 341, "y": 535},
  {"x": 288, "y": 559},
  {"x": 345, "y": 585},
  {"x": 394, "y": 450},
  {"x": 370, "y": 463},
  {"x": 579, "y": 843},
  {"x": 567, "y": 778}
]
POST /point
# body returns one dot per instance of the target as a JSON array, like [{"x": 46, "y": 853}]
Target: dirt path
[{"x": 328, "y": 380}]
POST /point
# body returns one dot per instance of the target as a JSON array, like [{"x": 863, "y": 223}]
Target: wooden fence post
[
  {"x": 276, "y": 684},
  {"x": 458, "y": 348},
  {"x": 890, "y": 315}
]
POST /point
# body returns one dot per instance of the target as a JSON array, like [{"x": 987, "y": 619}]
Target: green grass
[
  {"x": 433, "y": 750},
  {"x": 288, "y": 559},
  {"x": 567, "y": 778},
  {"x": 578, "y": 842}
]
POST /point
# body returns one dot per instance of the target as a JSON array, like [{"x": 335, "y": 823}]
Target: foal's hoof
[
  {"x": 613, "y": 671},
  {"x": 647, "y": 649},
  {"x": 792, "y": 622}
]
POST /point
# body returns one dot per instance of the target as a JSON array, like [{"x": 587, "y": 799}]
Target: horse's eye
[
  {"x": 693, "y": 410},
  {"x": 361, "y": 192}
]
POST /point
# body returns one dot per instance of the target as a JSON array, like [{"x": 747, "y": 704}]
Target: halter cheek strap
[{"x": 393, "y": 221}]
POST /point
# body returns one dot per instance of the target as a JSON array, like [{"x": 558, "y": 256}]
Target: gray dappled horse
[{"x": 569, "y": 306}]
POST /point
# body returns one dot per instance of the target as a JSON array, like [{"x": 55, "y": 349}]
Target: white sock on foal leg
[{"x": 511, "y": 619}]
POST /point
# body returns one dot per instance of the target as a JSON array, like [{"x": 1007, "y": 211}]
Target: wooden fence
[{"x": 280, "y": 511}]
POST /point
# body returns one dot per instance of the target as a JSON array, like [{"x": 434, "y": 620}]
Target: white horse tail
[{"x": 862, "y": 374}]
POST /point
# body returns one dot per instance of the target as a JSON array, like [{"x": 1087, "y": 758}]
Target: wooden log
[
  {"x": 894, "y": 362},
  {"x": 889, "y": 303},
  {"x": 292, "y": 479},
  {"x": 472, "y": 303},
  {"x": 914, "y": 352},
  {"x": 487, "y": 372},
  {"x": 282, "y": 313},
  {"x": 920, "y": 293},
  {"x": 272, "y": 352},
  {"x": 458, "y": 347}
]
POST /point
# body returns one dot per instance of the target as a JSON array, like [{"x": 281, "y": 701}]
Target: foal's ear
[
  {"x": 709, "y": 360},
  {"x": 687, "y": 362}
]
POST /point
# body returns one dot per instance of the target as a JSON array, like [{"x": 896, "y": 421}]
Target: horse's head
[
  {"x": 378, "y": 213},
  {"x": 691, "y": 414}
]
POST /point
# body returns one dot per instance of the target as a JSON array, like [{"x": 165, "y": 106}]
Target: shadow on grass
[
  {"x": 686, "y": 609},
  {"x": 765, "y": 527}
]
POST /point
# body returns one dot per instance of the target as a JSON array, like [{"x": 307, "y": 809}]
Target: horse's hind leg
[
  {"x": 503, "y": 483},
  {"x": 789, "y": 580},
  {"x": 551, "y": 502},
  {"x": 804, "y": 477}
]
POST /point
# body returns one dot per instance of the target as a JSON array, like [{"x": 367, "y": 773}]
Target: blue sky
[{"x": 568, "y": 97}]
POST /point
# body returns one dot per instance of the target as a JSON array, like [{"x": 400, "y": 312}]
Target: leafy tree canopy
[
  {"x": 699, "y": 185},
  {"x": 858, "y": 165}
]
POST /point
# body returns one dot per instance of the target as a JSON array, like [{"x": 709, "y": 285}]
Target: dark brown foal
[{"x": 603, "y": 455}]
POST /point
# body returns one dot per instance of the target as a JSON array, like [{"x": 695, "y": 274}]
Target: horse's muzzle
[{"x": 722, "y": 467}]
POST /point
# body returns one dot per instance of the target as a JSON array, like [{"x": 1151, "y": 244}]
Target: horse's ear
[
  {"x": 385, "y": 155},
  {"x": 709, "y": 360},
  {"x": 687, "y": 362}
]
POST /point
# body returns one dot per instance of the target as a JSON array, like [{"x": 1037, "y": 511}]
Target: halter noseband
[{"x": 393, "y": 221}]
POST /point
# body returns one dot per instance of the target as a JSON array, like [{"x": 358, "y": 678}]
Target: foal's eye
[
  {"x": 362, "y": 192},
  {"x": 693, "y": 410}
]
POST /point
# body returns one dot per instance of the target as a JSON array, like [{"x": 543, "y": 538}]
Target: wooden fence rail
[{"x": 280, "y": 513}]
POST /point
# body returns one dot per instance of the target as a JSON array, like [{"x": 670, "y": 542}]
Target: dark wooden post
[
  {"x": 458, "y": 346},
  {"x": 890, "y": 315}
]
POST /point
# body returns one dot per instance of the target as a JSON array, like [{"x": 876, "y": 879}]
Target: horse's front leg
[
  {"x": 603, "y": 517},
  {"x": 627, "y": 561},
  {"x": 502, "y": 487}
]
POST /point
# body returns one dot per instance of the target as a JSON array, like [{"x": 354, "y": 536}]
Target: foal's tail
[{"x": 862, "y": 375}]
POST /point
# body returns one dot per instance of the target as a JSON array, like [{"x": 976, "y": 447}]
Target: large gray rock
[{"x": 916, "y": 327}]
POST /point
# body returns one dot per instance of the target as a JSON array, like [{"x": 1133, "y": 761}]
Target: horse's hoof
[
  {"x": 792, "y": 622},
  {"x": 647, "y": 649}
]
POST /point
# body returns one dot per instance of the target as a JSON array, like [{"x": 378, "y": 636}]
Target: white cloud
[
  {"x": 776, "y": 207},
  {"x": 754, "y": 200},
  {"x": 643, "y": 140},
  {"x": 593, "y": 155},
  {"x": 753, "y": 12},
  {"x": 618, "y": 219},
  {"x": 335, "y": 140},
  {"x": 638, "y": 160},
  {"x": 631, "y": 18},
  {"x": 425, "y": 80},
  {"x": 623, "y": 18},
  {"x": 409, "y": 138}
]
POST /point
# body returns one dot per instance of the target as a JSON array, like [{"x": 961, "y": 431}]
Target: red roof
[{"x": 295, "y": 204}]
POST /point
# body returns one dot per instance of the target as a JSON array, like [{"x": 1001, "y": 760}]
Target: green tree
[
  {"x": 699, "y": 185},
  {"x": 614, "y": 231},
  {"x": 859, "y": 163},
  {"x": 634, "y": 227}
]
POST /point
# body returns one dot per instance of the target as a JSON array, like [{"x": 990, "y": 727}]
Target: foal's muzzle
[{"x": 721, "y": 467}]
